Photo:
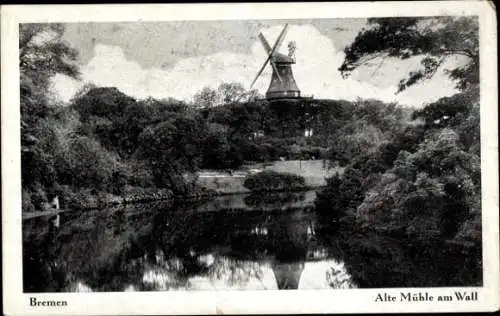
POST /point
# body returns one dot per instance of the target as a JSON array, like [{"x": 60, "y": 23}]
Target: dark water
[{"x": 232, "y": 242}]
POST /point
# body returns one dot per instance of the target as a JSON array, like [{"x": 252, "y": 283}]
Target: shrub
[
  {"x": 274, "y": 181},
  {"x": 39, "y": 198},
  {"x": 85, "y": 163},
  {"x": 27, "y": 205}
]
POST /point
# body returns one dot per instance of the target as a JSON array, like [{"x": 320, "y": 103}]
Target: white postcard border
[{"x": 249, "y": 302}]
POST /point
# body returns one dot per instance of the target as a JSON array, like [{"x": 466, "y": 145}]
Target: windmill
[{"x": 282, "y": 84}]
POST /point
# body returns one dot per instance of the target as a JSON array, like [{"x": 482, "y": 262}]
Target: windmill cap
[{"x": 280, "y": 58}]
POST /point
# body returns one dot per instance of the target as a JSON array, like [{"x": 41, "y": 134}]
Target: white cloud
[
  {"x": 65, "y": 87},
  {"x": 315, "y": 73}
]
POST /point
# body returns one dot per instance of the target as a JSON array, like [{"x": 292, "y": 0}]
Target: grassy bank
[{"x": 314, "y": 173}]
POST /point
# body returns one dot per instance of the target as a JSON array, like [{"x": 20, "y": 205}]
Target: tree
[
  {"x": 428, "y": 193},
  {"x": 224, "y": 94},
  {"x": 86, "y": 164},
  {"x": 448, "y": 110},
  {"x": 216, "y": 147},
  {"x": 42, "y": 54},
  {"x": 171, "y": 149},
  {"x": 250, "y": 96},
  {"x": 113, "y": 117},
  {"x": 230, "y": 92},
  {"x": 343, "y": 193},
  {"x": 434, "y": 39},
  {"x": 206, "y": 98},
  {"x": 106, "y": 102}
]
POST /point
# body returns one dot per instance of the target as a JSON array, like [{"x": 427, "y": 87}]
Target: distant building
[
  {"x": 283, "y": 85},
  {"x": 282, "y": 82}
]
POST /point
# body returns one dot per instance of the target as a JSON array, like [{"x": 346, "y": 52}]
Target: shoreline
[{"x": 122, "y": 201}]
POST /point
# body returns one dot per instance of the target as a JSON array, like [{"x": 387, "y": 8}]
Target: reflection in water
[
  {"x": 78, "y": 286},
  {"x": 185, "y": 247},
  {"x": 288, "y": 274},
  {"x": 220, "y": 274},
  {"x": 261, "y": 201},
  {"x": 275, "y": 200},
  {"x": 334, "y": 272}
]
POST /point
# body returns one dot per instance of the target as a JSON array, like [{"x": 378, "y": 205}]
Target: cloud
[{"x": 315, "y": 73}]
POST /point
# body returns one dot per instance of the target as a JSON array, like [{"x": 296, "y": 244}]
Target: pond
[{"x": 233, "y": 242}]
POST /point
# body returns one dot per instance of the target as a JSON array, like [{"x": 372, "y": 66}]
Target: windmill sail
[
  {"x": 282, "y": 84},
  {"x": 260, "y": 71},
  {"x": 265, "y": 43},
  {"x": 280, "y": 39},
  {"x": 270, "y": 52}
]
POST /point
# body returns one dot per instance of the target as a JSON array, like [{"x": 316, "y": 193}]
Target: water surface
[{"x": 234, "y": 242}]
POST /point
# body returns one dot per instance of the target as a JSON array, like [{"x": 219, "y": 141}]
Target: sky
[{"x": 177, "y": 59}]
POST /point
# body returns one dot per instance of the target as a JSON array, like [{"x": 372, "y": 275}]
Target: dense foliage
[
  {"x": 42, "y": 54},
  {"x": 421, "y": 187},
  {"x": 412, "y": 182},
  {"x": 107, "y": 143},
  {"x": 432, "y": 39}
]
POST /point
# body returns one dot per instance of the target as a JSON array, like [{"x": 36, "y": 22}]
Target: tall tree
[
  {"x": 173, "y": 148},
  {"x": 435, "y": 39},
  {"x": 42, "y": 54},
  {"x": 206, "y": 98},
  {"x": 230, "y": 92}
]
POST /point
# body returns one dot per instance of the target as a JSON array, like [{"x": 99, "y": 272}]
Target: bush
[
  {"x": 86, "y": 164},
  {"x": 338, "y": 200},
  {"x": 27, "y": 205},
  {"x": 39, "y": 199},
  {"x": 274, "y": 181}
]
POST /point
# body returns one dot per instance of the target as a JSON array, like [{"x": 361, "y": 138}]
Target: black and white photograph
[{"x": 255, "y": 154}]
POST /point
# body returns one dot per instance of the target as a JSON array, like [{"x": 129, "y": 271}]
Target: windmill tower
[{"x": 282, "y": 84}]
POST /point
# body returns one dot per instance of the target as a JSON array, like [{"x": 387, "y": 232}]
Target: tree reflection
[
  {"x": 173, "y": 247},
  {"x": 42, "y": 269},
  {"x": 275, "y": 199}
]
